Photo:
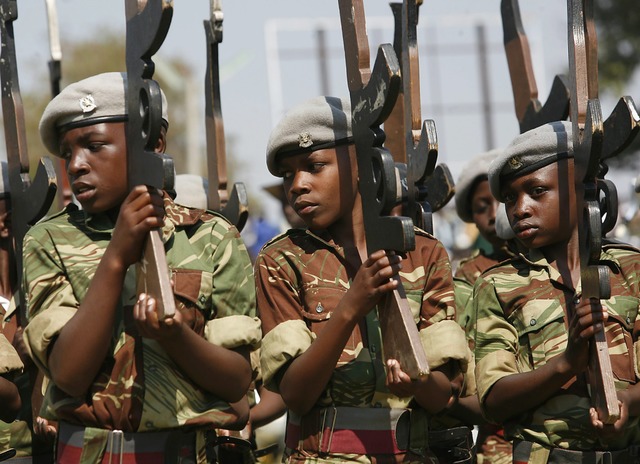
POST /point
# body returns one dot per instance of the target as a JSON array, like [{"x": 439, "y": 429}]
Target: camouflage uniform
[
  {"x": 301, "y": 277},
  {"x": 491, "y": 446},
  {"x": 521, "y": 308},
  {"x": 139, "y": 388}
]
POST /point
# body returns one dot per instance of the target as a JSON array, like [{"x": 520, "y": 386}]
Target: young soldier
[
  {"x": 125, "y": 385},
  {"x": 533, "y": 327},
  {"x": 316, "y": 296},
  {"x": 475, "y": 204}
]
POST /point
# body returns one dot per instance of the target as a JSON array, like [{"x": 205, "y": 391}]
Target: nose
[
  {"x": 522, "y": 208},
  {"x": 77, "y": 163},
  {"x": 299, "y": 183},
  {"x": 493, "y": 210}
]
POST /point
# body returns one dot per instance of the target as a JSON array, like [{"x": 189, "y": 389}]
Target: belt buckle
[
  {"x": 324, "y": 426},
  {"x": 116, "y": 446}
]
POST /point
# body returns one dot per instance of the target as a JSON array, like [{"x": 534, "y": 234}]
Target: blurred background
[{"x": 276, "y": 54}]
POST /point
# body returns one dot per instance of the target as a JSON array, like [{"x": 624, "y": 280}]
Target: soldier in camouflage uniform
[
  {"x": 322, "y": 344},
  {"x": 124, "y": 385},
  {"x": 533, "y": 327},
  {"x": 475, "y": 204}
]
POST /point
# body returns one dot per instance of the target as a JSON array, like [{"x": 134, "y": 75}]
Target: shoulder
[
  {"x": 69, "y": 218},
  {"x": 507, "y": 270},
  {"x": 292, "y": 240},
  {"x": 424, "y": 240}
]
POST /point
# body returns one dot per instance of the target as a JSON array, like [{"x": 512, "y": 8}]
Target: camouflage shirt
[
  {"x": 138, "y": 387},
  {"x": 300, "y": 278},
  {"x": 521, "y": 309}
]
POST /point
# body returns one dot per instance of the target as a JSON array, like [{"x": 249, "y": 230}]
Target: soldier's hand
[
  {"x": 589, "y": 317},
  {"x": 141, "y": 211},
  {"x": 373, "y": 280},
  {"x": 148, "y": 323},
  {"x": 609, "y": 431}
]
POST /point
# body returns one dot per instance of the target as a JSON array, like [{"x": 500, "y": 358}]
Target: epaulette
[
  {"x": 423, "y": 233},
  {"x": 511, "y": 260},
  {"x": 283, "y": 235},
  {"x": 609, "y": 243}
]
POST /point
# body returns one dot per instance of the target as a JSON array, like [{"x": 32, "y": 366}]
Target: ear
[{"x": 161, "y": 145}]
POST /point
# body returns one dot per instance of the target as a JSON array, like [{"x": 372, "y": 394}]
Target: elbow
[
  {"x": 494, "y": 411},
  {"x": 9, "y": 411},
  {"x": 72, "y": 387}
]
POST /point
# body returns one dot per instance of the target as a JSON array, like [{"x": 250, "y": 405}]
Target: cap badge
[
  {"x": 515, "y": 162},
  {"x": 304, "y": 140},
  {"x": 87, "y": 103}
]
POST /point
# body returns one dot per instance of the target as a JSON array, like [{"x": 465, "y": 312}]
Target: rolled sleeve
[
  {"x": 9, "y": 359},
  {"x": 234, "y": 331},
  {"x": 285, "y": 342},
  {"x": 443, "y": 342}
]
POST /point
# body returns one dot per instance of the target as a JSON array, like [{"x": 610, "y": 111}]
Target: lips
[
  {"x": 524, "y": 230},
  {"x": 82, "y": 190},
  {"x": 304, "y": 207}
]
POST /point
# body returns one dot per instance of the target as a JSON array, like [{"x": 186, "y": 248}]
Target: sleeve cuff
[
  {"x": 490, "y": 369},
  {"x": 443, "y": 342},
  {"x": 285, "y": 342},
  {"x": 42, "y": 329},
  {"x": 234, "y": 331}
]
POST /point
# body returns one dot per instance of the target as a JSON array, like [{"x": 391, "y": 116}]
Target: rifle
[
  {"x": 147, "y": 26},
  {"x": 373, "y": 94},
  {"x": 234, "y": 205},
  {"x": 55, "y": 73},
  {"x": 30, "y": 201},
  {"x": 429, "y": 187},
  {"x": 588, "y": 136}
]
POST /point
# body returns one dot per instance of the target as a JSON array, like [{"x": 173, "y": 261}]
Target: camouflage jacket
[
  {"x": 521, "y": 309},
  {"x": 301, "y": 277},
  {"x": 139, "y": 388}
]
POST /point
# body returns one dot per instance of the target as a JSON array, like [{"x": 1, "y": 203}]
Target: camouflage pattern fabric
[
  {"x": 301, "y": 277},
  {"x": 139, "y": 388},
  {"x": 521, "y": 308}
]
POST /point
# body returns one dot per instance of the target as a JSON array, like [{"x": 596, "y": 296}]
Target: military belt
[
  {"x": 350, "y": 430},
  {"x": 527, "y": 452}
]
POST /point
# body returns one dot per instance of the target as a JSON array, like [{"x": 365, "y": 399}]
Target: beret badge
[
  {"x": 304, "y": 140},
  {"x": 515, "y": 163},
  {"x": 87, "y": 103}
]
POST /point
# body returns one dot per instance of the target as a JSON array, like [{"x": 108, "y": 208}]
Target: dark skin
[
  {"x": 533, "y": 203},
  {"x": 10, "y": 402},
  {"x": 322, "y": 189},
  {"x": 483, "y": 209},
  {"x": 96, "y": 159}
]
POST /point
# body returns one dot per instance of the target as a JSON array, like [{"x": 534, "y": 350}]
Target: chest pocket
[
  {"x": 623, "y": 311},
  {"x": 319, "y": 303},
  {"x": 192, "y": 291},
  {"x": 541, "y": 329}
]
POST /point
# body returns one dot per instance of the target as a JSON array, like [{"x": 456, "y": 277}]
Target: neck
[
  {"x": 349, "y": 233},
  {"x": 565, "y": 257}
]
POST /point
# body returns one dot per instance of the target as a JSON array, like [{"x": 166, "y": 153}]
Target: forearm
[
  {"x": 80, "y": 349},
  {"x": 633, "y": 395},
  {"x": 467, "y": 409},
  {"x": 308, "y": 375},
  {"x": 435, "y": 393},
  {"x": 518, "y": 393},
  {"x": 10, "y": 402},
  {"x": 270, "y": 407},
  {"x": 223, "y": 372}
]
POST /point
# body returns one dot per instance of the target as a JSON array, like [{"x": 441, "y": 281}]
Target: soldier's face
[
  {"x": 541, "y": 205},
  {"x": 321, "y": 186},
  {"x": 96, "y": 159},
  {"x": 483, "y": 210}
]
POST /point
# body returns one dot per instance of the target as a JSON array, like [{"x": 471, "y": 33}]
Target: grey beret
[
  {"x": 191, "y": 190},
  {"x": 503, "y": 228},
  {"x": 531, "y": 151},
  {"x": 477, "y": 167},
  {"x": 99, "y": 98},
  {"x": 318, "y": 123},
  {"x": 4, "y": 180}
]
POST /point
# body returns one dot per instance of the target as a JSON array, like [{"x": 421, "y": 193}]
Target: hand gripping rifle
[
  {"x": 411, "y": 141},
  {"x": 55, "y": 73},
  {"x": 589, "y": 142},
  {"x": 30, "y": 201},
  {"x": 147, "y": 26},
  {"x": 234, "y": 205},
  {"x": 373, "y": 94}
]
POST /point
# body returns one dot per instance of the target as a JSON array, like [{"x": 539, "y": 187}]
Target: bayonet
[
  {"x": 234, "y": 205},
  {"x": 373, "y": 94},
  {"x": 30, "y": 201},
  {"x": 147, "y": 26}
]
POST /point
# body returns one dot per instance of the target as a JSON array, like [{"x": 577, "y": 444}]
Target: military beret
[
  {"x": 5, "y": 188},
  {"x": 191, "y": 190},
  {"x": 478, "y": 167},
  {"x": 318, "y": 123},
  {"x": 96, "y": 99},
  {"x": 531, "y": 151}
]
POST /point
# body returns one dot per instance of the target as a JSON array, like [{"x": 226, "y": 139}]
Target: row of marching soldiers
[{"x": 506, "y": 338}]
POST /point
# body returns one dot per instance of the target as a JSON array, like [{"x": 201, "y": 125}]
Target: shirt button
[
  {"x": 628, "y": 320},
  {"x": 319, "y": 308},
  {"x": 372, "y": 348},
  {"x": 532, "y": 322},
  {"x": 576, "y": 300}
]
